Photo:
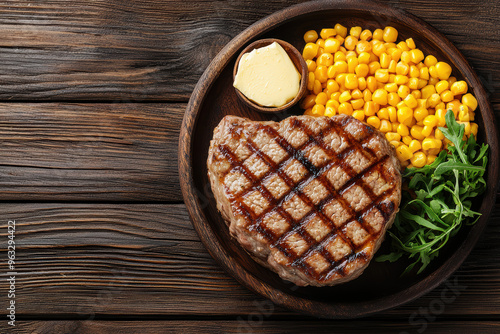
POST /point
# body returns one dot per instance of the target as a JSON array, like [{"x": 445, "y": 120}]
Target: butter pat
[{"x": 267, "y": 76}]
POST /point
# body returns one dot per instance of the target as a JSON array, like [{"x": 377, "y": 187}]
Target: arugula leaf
[{"x": 440, "y": 199}]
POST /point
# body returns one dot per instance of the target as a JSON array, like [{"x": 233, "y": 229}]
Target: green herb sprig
[{"x": 439, "y": 199}]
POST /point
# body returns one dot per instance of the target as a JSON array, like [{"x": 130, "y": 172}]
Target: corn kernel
[
  {"x": 438, "y": 134},
  {"x": 385, "y": 60},
  {"x": 382, "y": 75},
  {"x": 345, "y": 108},
  {"x": 403, "y": 152},
  {"x": 352, "y": 62},
  {"x": 321, "y": 73},
  {"x": 332, "y": 86},
  {"x": 447, "y": 96},
  {"x": 441, "y": 86},
  {"x": 427, "y": 91},
  {"x": 416, "y": 132},
  {"x": 419, "y": 159},
  {"x": 345, "y": 96},
  {"x": 383, "y": 113},
  {"x": 329, "y": 112},
  {"x": 310, "y": 36},
  {"x": 367, "y": 95},
  {"x": 365, "y": 35},
  {"x": 440, "y": 106},
  {"x": 395, "y": 143},
  {"x": 332, "y": 103},
  {"x": 459, "y": 87},
  {"x": 424, "y": 73},
  {"x": 427, "y": 130},
  {"x": 357, "y": 103},
  {"x": 332, "y": 45},
  {"x": 359, "y": 114},
  {"x": 416, "y": 94},
  {"x": 416, "y": 56},
  {"x": 431, "y": 143},
  {"x": 341, "y": 30},
  {"x": 371, "y": 83},
  {"x": 310, "y": 50},
  {"x": 433, "y": 80},
  {"x": 473, "y": 129},
  {"x": 340, "y": 66},
  {"x": 411, "y": 43},
  {"x": 406, "y": 57},
  {"x": 393, "y": 114},
  {"x": 308, "y": 101},
  {"x": 361, "y": 83},
  {"x": 380, "y": 96},
  {"x": 327, "y": 32},
  {"x": 391, "y": 87},
  {"x": 403, "y": 91},
  {"x": 433, "y": 72},
  {"x": 321, "y": 98},
  {"x": 405, "y": 115},
  {"x": 396, "y": 55},
  {"x": 317, "y": 87},
  {"x": 385, "y": 126},
  {"x": 463, "y": 113},
  {"x": 403, "y": 46},
  {"x": 414, "y": 145},
  {"x": 373, "y": 66},
  {"x": 363, "y": 46},
  {"x": 430, "y": 159},
  {"x": 400, "y": 79},
  {"x": 470, "y": 101},
  {"x": 350, "y": 42},
  {"x": 402, "y": 68},
  {"x": 378, "y": 49},
  {"x": 373, "y": 121},
  {"x": 395, "y": 127},
  {"x": 335, "y": 96},
  {"x": 433, "y": 100},
  {"x": 378, "y": 34},
  {"x": 406, "y": 140},
  {"x": 443, "y": 70},
  {"x": 410, "y": 101},
  {"x": 318, "y": 110},
  {"x": 431, "y": 121},
  {"x": 440, "y": 113},
  {"x": 420, "y": 113},
  {"x": 402, "y": 130},
  {"x": 371, "y": 108},
  {"x": 422, "y": 83},
  {"x": 430, "y": 60},
  {"x": 390, "y": 136}
]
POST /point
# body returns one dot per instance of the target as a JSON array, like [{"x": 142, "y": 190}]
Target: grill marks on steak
[{"x": 318, "y": 192}]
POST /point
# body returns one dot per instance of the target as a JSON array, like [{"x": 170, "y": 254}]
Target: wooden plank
[
  {"x": 92, "y": 260},
  {"x": 267, "y": 327},
  {"x": 89, "y": 152},
  {"x": 156, "y": 50}
]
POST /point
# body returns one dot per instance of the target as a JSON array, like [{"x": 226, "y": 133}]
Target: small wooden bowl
[{"x": 297, "y": 60}]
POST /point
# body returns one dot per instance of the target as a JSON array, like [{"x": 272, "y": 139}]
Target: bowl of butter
[{"x": 270, "y": 75}]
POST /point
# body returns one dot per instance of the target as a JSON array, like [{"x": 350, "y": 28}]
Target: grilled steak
[{"x": 309, "y": 197}]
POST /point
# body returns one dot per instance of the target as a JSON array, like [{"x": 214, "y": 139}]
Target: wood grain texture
[
  {"x": 156, "y": 50},
  {"x": 81, "y": 261},
  {"x": 267, "y": 327},
  {"x": 89, "y": 152}
]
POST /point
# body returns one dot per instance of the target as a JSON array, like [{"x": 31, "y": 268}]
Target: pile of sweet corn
[{"x": 392, "y": 86}]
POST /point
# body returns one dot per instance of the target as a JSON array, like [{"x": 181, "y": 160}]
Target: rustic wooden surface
[{"x": 92, "y": 95}]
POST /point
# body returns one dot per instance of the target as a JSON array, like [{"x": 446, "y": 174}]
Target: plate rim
[{"x": 234, "y": 269}]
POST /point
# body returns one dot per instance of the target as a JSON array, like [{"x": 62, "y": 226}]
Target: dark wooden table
[{"x": 92, "y": 97}]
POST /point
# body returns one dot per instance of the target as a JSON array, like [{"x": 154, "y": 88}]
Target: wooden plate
[{"x": 380, "y": 287}]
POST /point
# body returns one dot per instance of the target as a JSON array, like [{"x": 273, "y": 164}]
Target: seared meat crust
[{"x": 309, "y": 197}]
